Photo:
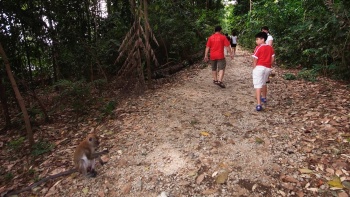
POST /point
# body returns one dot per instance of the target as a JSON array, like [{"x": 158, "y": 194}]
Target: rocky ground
[{"x": 192, "y": 138}]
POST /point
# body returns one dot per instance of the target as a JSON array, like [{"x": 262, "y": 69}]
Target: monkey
[
  {"x": 84, "y": 161},
  {"x": 85, "y": 155}
]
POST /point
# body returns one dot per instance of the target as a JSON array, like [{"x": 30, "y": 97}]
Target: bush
[
  {"x": 289, "y": 76},
  {"x": 41, "y": 147},
  {"x": 76, "y": 94},
  {"x": 16, "y": 144},
  {"x": 308, "y": 75}
]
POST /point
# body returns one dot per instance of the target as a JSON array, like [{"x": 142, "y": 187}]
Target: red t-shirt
[
  {"x": 264, "y": 53},
  {"x": 216, "y": 43}
]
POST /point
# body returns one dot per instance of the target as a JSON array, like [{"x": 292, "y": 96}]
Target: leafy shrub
[
  {"x": 308, "y": 75},
  {"x": 289, "y": 76},
  {"x": 8, "y": 176},
  {"x": 77, "y": 94},
  {"x": 16, "y": 144},
  {"x": 41, "y": 147},
  {"x": 109, "y": 107}
]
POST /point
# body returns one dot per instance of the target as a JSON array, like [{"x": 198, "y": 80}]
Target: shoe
[
  {"x": 222, "y": 85},
  {"x": 263, "y": 100},
  {"x": 258, "y": 108},
  {"x": 215, "y": 82}
]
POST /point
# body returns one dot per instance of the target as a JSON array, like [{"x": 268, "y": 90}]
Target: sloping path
[{"x": 192, "y": 138}]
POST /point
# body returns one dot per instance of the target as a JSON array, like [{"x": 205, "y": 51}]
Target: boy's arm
[
  {"x": 254, "y": 62},
  {"x": 272, "y": 60}
]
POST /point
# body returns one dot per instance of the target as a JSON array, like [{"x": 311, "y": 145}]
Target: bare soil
[{"x": 192, "y": 138}]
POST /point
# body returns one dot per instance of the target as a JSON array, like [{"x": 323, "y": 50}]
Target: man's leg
[
  {"x": 214, "y": 67},
  {"x": 215, "y": 75},
  {"x": 221, "y": 67},
  {"x": 221, "y": 74}
]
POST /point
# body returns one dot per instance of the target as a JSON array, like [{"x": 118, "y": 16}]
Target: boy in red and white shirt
[{"x": 263, "y": 59}]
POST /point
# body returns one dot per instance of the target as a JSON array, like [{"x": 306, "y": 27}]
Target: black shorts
[{"x": 233, "y": 45}]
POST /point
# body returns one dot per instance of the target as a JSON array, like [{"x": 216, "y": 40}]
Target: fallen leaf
[
  {"x": 343, "y": 194},
  {"x": 346, "y": 184},
  {"x": 209, "y": 191},
  {"x": 305, "y": 171},
  {"x": 85, "y": 190},
  {"x": 200, "y": 178},
  {"x": 335, "y": 183},
  {"x": 104, "y": 158},
  {"x": 313, "y": 189},
  {"x": 289, "y": 179},
  {"x": 204, "y": 133},
  {"x": 259, "y": 140},
  {"x": 222, "y": 177},
  {"x": 126, "y": 188}
]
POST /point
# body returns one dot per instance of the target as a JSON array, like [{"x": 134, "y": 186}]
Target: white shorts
[{"x": 260, "y": 76}]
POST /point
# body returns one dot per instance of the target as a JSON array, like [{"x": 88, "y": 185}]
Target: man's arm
[
  {"x": 206, "y": 54},
  {"x": 228, "y": 48}
]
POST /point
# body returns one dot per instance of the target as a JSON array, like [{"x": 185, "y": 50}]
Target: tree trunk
[
  {"x": 147, "y": 32},
  {"x": 18, "y": 96},
  {"x": 3, "y": 100}
]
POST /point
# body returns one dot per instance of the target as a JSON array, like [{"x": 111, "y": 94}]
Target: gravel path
[{"x": 193, "y": 138}]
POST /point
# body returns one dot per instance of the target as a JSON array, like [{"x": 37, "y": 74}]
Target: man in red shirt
[
  {"x": 263, "y": 58},
  {"x": 216, "y": 44}
]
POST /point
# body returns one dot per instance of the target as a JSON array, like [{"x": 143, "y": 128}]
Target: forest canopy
[{"x": 74, "y": 40}]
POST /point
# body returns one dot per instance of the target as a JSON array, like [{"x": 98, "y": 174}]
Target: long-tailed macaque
[
  {"x": 85, "y": 155},
  {"x": 84, "y": 161}
]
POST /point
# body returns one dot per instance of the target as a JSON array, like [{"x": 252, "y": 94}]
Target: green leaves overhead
[{"x": 313, "y": 34}]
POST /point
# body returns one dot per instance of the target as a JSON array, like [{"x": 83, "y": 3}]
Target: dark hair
[
  {"x": 262, "y": 35},
  {"x": 218, "y": 28},
  {"x": 234, "y": 33},
  {"x": 265, "y": 28}
]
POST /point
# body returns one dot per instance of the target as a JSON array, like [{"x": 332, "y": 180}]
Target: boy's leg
[
  {"x": 258, "y": 81},
  {"x": 264, "y": 91},
  {"x": 264, "y": 87},
  {"x": 258, "y": 94}
]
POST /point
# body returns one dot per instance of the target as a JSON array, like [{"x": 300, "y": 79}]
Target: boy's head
[
  {"x": 218, "y": 28},
  {"x": 260, "y": 38},
  {"x": 265, "y": 29}
]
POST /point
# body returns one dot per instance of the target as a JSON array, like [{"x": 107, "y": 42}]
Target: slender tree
[
  {"x": 3, "y": 100},
  {"x": 18, "y": 96}
]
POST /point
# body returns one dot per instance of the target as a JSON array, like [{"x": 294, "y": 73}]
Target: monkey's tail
[{"x": 11, "y": 192}]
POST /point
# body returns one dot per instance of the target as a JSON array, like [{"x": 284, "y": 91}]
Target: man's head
[
  {"x": 260, "y": 38},
  {"x": 218, "y": 28},
  {"x": 265, "y": 29}
]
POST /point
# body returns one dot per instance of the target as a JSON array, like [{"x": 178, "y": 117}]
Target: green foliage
[
  {"x": 76, "y": 94},
  {"x": 41, "y": 147},
  {"x": 289, "y": 76},
  {"x": 308, "y": 75},
  {"x": 314, "y": 34},
  {"x": 16, "y": 144},
  {"x": 8, "y": 176},
  {"x": 109, "y": 107}
]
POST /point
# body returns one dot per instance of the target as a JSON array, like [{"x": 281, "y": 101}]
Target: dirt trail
[{"x": 191, "y": 135}]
